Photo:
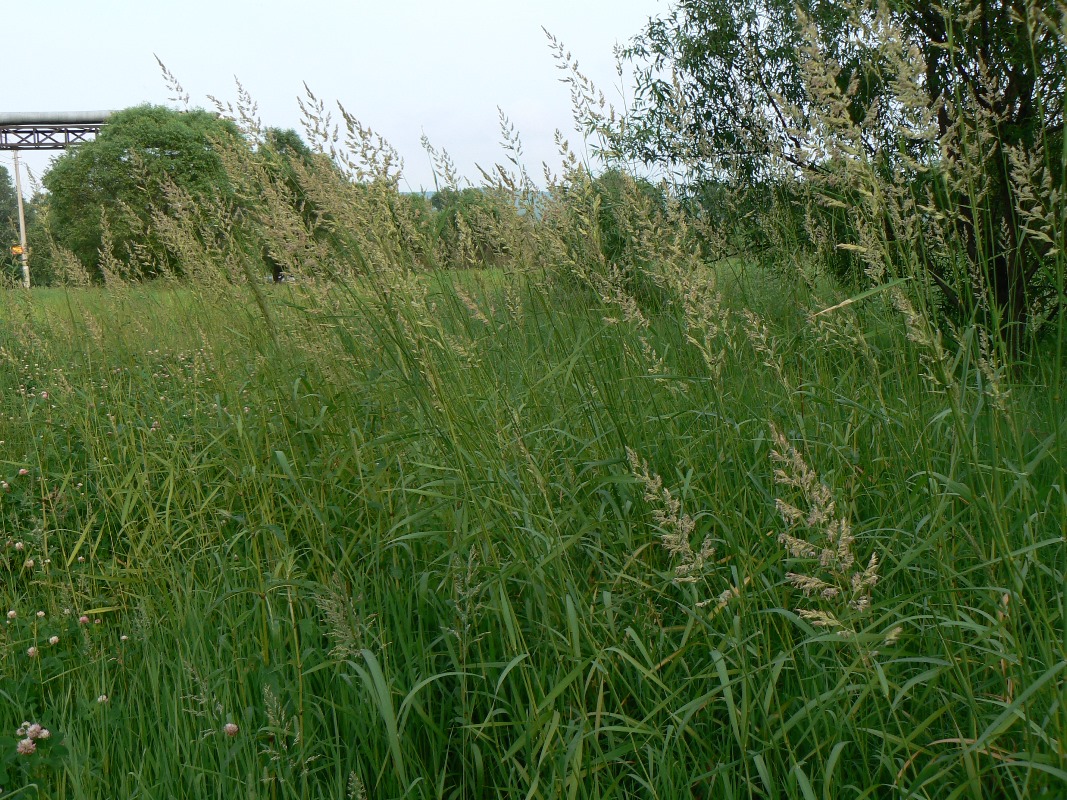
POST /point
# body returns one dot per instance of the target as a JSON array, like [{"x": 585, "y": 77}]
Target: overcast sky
[{"x": 403, "y": 67}]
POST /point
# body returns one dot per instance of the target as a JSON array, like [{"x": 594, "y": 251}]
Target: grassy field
[{"x": 484, "y": 535}]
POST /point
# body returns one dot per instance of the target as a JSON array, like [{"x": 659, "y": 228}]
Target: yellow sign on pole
[{"x": 16, "y": 250}]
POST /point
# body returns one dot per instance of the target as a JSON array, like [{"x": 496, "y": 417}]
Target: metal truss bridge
[{"x": 33, "y": 130}]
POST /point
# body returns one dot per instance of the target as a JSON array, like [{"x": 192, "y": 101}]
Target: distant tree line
[{"x": 104, "y": 200}]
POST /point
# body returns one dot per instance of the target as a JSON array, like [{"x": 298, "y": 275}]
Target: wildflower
[
  {"x": 54, "y": 640},
  {"x": 12, "y": 614},
  {"x": 83, "y": 620},
  {"x": 5, "y": 486},
  {"x": 102, "y": 699},
  {"x": 30, "y": 563},
  {"x": 230, "y": 729},
  {"x": 40, "y": 614},
  {"x": 24, "y": 471},
  {"x": 44, "y": 395},
  {"x": 124, "y": 638},
  {"x": 34, "y": 731},
  {"x": 32, "y": 652},
  {"x": 81, "y": 559},
  {"x": 26, "y": 747},
  {"x": 20, "y": 546}
]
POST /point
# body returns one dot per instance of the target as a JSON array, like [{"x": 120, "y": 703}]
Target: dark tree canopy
[
  {"x": 724, "y": 61},
  {"x": 724, "y": 88},
  {"x": 290, "y": 165},
  {"x": 9, "y": 211},
  {"x": 9, "y": 223},
  {"x": 125, "y": 174},
  {"x": 716, "y": 78}
]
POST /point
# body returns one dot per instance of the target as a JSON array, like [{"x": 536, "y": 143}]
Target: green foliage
[
  {"x": 466, "y": 224},
  {"x": 148, "y": 159},
  {"x": 626, "y": 208},
  {"x": 617, "y": 229},
  {"x": 868, "y": 101},
  {"x": 287, "y": 157},
  {"x": 618, "y": 196},
  {"x": 9, "y": 212},
  {"x": 732, "y": 63},
  {"x": 10, "y": 266}
]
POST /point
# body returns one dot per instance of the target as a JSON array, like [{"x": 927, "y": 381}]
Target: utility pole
[{"x": 22, "y": 225}]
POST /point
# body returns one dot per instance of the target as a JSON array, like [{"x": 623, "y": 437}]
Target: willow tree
[{"x": 727, "y": 87}]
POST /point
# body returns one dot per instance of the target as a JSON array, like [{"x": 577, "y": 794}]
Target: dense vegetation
[
  {"x": 606, "y": 488},
  {"x": 907, "y": 120}
]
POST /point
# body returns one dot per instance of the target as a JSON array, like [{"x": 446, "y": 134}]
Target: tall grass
[
  {"x": 583, "y": 525},
  {"x": 417, "y": 553}
]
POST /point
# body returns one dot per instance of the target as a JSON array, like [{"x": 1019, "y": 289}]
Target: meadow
[
  {"x": 494, "y": 533},
  {"x": 589, "y": 487}
]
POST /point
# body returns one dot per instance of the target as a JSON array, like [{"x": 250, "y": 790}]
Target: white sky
[{"x": 403, "y": 67}]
